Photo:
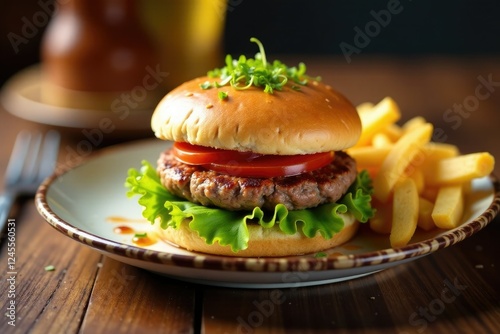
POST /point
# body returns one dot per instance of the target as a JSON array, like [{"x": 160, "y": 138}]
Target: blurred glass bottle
[
  {"x": 188, "y": 34},
  {"x": 93, "y": 51}
]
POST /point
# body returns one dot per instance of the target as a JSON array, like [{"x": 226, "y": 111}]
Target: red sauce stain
[
  {"x": 123, "y": 230},
  {"x": 120, "y": 219},
  {"x": 139, "y": 239},
  {"x": 144, "y": 241}
]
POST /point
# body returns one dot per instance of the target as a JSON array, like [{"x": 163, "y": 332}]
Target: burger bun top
[{"x": 313, "y": 118}]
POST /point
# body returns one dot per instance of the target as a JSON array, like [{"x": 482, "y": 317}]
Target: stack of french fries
[{"x": 417, "y": 183}]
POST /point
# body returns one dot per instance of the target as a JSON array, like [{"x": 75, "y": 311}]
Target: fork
[{"x": 33, "y": 158}]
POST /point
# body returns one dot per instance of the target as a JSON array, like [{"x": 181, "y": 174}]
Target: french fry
[
  {"x": 460, "y": 169},
  {"x": 377, "y": 118},
  {"x": 417, "y": 183},
  {"x": 363, "y": 107},
  {"x": 438, "y": 151},
  {"x": 418, "y": 177},
  {"x": 368, "y": 156},
  {"x": 449, "y": 207},
  {"x": 381, "y": 222},
  {"x": 381, "y": 140},
  {"x": 425, "y": 221},
  {"x": 398, "y": 159},
  {"x": 393, "y": 132},
  {"x": 404, "y": 213},
  {"x": 413, "y": 123},
  {"x": 435, "y": 152}
]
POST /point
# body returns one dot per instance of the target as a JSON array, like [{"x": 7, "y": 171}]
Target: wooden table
[{"x": 455, "y": 290}]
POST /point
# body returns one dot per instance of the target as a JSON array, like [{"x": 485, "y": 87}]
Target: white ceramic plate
[{"x": 88, "y": 203}]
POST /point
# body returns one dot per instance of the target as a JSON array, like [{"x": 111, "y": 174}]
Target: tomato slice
[
  {"x": 201, "y": 155},
  {"x": 267, "y": 166},
  {"x": 248, "y": 164}
]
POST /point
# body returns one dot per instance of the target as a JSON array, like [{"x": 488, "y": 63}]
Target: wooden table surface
[{"x": 91, "y": 293}]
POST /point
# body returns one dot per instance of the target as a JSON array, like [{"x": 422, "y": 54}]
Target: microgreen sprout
[
  {"x": 243, "y": 73},
  {"x": 206, "y": 85},
  {"x": 223, "y": 95}
]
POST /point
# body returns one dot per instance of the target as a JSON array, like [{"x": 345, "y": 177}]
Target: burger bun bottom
[{"x": 263, "y": 242}]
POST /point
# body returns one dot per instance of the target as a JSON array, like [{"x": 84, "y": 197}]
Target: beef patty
[{"x": 209, "y": 188}]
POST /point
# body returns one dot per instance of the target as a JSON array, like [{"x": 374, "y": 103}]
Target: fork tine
[
  {"x": 50, "y": 151},
  {"x": 27, "y": 167},
  {"x": 31, "y": 162},
  {"x": 18, "y": 157}
]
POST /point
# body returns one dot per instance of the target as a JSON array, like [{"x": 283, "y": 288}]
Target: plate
[
  {"x": 21, "y": 97},
  {"x": 89, "y": 204}
]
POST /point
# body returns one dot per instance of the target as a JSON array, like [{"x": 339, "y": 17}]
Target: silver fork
[{"x": 33, "y": 158}]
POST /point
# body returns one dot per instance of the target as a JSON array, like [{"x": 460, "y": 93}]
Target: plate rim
[
  {"x": 11, "y": 94},
  {"x": 254, "y": 264}
]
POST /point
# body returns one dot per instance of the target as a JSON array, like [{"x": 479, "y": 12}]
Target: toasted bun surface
[
  {"x": 264, "y": 242},
  {"x": 313, "y": 119}
]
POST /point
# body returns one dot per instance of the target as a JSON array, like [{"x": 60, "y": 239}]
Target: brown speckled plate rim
[{"x": 283, "y": 264}]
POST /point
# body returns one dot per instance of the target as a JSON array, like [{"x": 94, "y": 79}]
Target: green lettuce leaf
[
  {"x": 358, "y": 198},
  {"x": 230, "y": 227}
]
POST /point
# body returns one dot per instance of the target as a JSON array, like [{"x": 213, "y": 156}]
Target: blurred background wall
[
  {"x": 416, "y": 27},
  {"x": 333, "y": 27}
]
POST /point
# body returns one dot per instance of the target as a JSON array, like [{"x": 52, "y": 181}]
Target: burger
[{"x": 255, "y": 165}]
